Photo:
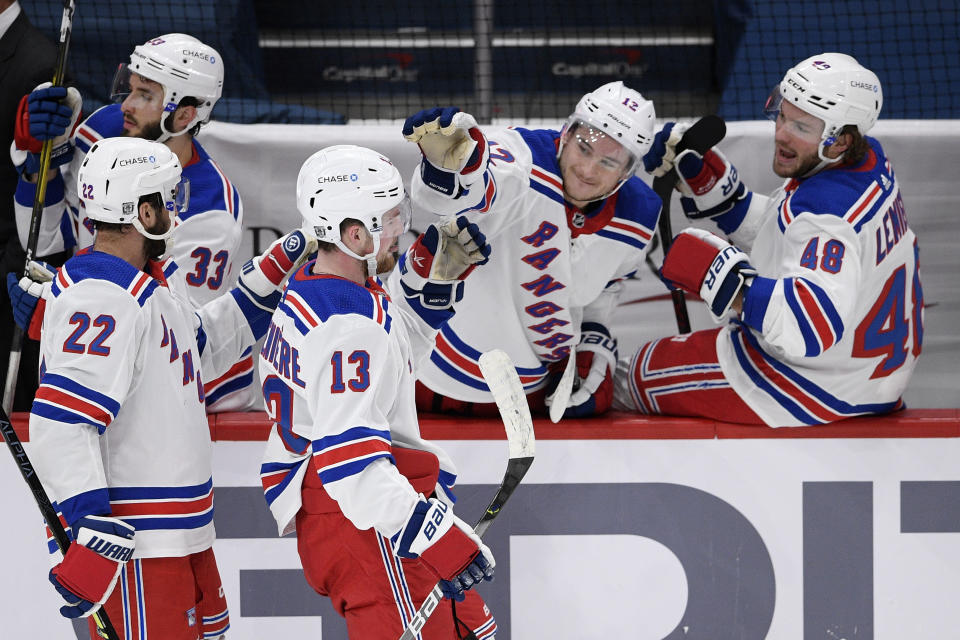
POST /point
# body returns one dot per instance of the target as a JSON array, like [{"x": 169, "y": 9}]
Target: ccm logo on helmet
[
  {"x": 341, "y": 178},
  {"x": 126, "y": 162},
  {"x": 796, "y": 85}
]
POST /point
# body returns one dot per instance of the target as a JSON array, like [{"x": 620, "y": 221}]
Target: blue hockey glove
[
  {"x": 47, "y": 113},
  {"x": 446, "y": 545},
  {"x": 90, "y": 568},
  {"x": 27, "y": 291},
  {"x": 660, "y": 158},
  {"x": 455, "y": 151}
]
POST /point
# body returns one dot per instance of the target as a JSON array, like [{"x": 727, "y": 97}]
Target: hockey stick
[
  {"x": 501, "y": 376},
  {"x": 560, "y": 397},
  {"x": 703, "y": 134},
  {"x": 104, "y": 626},
  {"x": 59, "y": 72}
]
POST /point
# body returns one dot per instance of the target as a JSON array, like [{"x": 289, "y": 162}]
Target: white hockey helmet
[
  {"x": 833, "y": 87},
  {"x": 622, "y": 114},
  {"x": 184, "y": 66},
  {"x": 349, "y": 182},
  {"x": 117, "y": 172}
]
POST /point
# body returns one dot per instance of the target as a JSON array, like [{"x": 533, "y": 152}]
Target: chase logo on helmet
[
  {"x": 341, "y": 178},
  {"x": 864, "y": 85},
  {"x": 126, "y": 162},
  {"x": 198, "y": 54}
]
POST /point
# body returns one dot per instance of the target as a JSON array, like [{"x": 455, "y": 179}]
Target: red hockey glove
[
  {"x": 702, "y": 263},
  {"x": 90, "y": 568}
]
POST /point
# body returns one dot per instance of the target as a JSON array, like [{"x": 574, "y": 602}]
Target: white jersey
[
  {"x": 204, "y": 242},
  {"x": 552, "y": 267},
  {"x": 833, "y": 325},
  {"x": 337, "y": 367},
  {"x": 118, "y": 425}
]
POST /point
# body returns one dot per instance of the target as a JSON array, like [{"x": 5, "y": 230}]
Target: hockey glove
[
  {"x": 434, "y": 267},
  {"x": 47, "y": 113},
  {"x": 26, "y": 293},
  {"x": 660, "y": 158},
  {"x": 447, "y": 546},
  {"x": 711, "y": 188},
  {"x": 262, "y": 277},
  {"x": 596, "y": 363},
  {"x": 455, "y": 151},
  {"x": 90, "y": 568},
  {"x": 702, "y": 263}
]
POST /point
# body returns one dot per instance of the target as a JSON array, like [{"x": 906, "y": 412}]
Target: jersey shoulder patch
[
  {"x": 310, "y": 300},
  {"x": 105, "y": 122},
  {"x": 94, "y": 265}
]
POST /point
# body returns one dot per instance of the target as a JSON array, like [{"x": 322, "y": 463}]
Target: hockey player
[
  {"x": 165, "y": 93},
  {"x": 345, "y": 466},
  {"x": 119, "y": 435},
  {"x": 822, "y": 277},
  {"x": 570, "y": 220}
]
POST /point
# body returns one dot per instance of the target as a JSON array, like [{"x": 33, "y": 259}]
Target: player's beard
[
  {"x": 802, "y": 168},
  {"x": 150, "y": 131},
  {"x": 385, "y": 264},
  {"x": 157, "y": 248}
]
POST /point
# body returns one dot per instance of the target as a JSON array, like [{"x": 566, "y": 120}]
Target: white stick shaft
[{"x": 561, "y": 395}]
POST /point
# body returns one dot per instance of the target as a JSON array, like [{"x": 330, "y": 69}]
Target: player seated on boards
[
  {"x": 570, "y": 220},
  {"x": 817, "y": 286}
]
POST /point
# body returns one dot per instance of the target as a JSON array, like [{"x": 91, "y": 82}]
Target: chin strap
[
  {"x": 370, "y": 259},
  {"x": 824, "y": 160}
]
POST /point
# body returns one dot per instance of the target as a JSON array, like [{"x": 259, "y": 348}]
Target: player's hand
[
  {"x": 454, "y": 149},
  {"x": 435, "y": 265},
  {"x": 702, "y": 263},
  {"x": 90, "y": 568},
  {"x": 447, "y": 546},
  {"x": 596, "y": 363},
  {"x": 25, "y": 293},
  {"x": 660, "y": 158},
  {"x": 47, "y": 113},
  {"x": 710, "y": 185}
]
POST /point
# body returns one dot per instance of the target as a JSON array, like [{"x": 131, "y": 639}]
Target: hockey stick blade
[
  {"x": 501, "y": 377},
  {"x": 560, "y": 397},
  {"x": 505, "y": 386},
  {"x": 706, "y": 132}
]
